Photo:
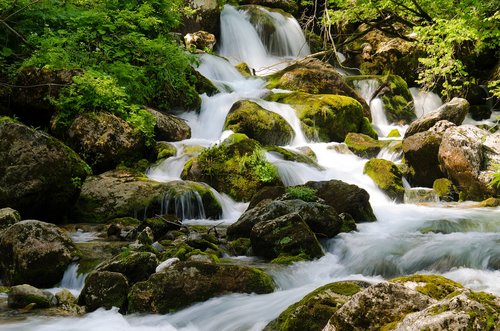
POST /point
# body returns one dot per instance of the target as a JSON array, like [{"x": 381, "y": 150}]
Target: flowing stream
[{"x": 460, "y": 243}]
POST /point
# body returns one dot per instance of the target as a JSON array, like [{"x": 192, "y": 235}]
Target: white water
[
  {"x": 424, "y": 102},
  {"x": 459, "y": 243}
]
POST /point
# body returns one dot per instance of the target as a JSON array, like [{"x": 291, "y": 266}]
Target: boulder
[
  {"x": 136, "y": 266},
  {"x": 164, "y": 150},
  {"x": 453, "y": 111},
  {"x": 287, "y": 234},
  {"x": 169, "y": 127},
  {"x": 35, "y": 253},
  {"x": 201, "y": 15},
  {"x": 421, "y": 154},
  {"x": 39, "y": 175},
  {"x": 445, "y": 189},
  {"x": 345, "y": 198},
  {"x": 462, "y": 158},
  {"x": 200, "y": 40},
  {"x": 363, "y": 145},
  {"x": 236, "y": 167},
  {"x": 8, "y": 217},
  {"x": 314, "y": 76},
  {"x": 387, "y": 177},
  {"x": 185, "y": 283},
  {"x": 315, "y": 309},
  {"x": 122, "y": 193},
  {"x": 21, "y": 296},
  {"x": 105, "y": 140},
  {"x": 104, "y": 289},
  {"x": 267, "y": 127},
  {"x": 327, "y": 117},
  {"x": 288, "y": 6}
]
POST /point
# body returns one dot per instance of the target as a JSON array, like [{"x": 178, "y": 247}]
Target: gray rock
[
  {"x": 104, "y": 289},
  {"x": 169, "y": 127},
  {"x": 136, "y": 266},
  {"x": 21, "y": 296}
]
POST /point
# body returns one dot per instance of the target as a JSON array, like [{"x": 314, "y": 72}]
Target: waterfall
[
  {"x": 185, "y": 205},
  {"x": 72, "y": 279},
  {"x": 425, "y": 102}
]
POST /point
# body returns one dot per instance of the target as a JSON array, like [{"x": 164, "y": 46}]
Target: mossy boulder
[
  {"x": 314, "y": 76},
  {"x": 169, "y": 127},
  {"x": 201, "y": 15},
  {"x": 136, "y": 266},
  {"x": 104, "y": 289},
  {"x": 445, "y": 189},
  {"x": 327, "y": 117},
  {"x": 387, "y": 177},
  {"x": 122, "y": 193},
  {"x": 267, "y": 127},
  {"x": 286, "y": 6},
  {"x": 345, "y": 198},
  {"x": 21, "y": 296},
  {"x": 8, "y": 217},
  {"x": 436, "y": 287},
  {"x": 290, "y": 155},
  {"x": 164, "y": 150},
  {"x": 236, "y": 167},
  {"x": 363, "y": 145},
  {"x": 185, "y": 283},
  {"x": 315, "y": 309},
  {"x": 39, "y": 176},
  {"x": 34, "y": 253}
]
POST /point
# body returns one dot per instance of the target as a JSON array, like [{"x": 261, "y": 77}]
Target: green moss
[
  {"x": 244, "y": 69},
  {"x": 436, "y": 287},
  {"x": 290, "y": 155},
  {"x": 260, "y": 281},
  {"x": 387, "y": 176},
  {"x": 193, "y": 149},
  {"x": 302, "y": 192},
  {"x": 164, "y": 150},
  {"x": 240, "y": 246},
  {"x": 6, "y": 119},
  {"x": 394, "y": 133},
  {"x": 444, "y": 188},
  {"x": 4, "y": 289},
  {"x": 490, "y": 202},
  {"x": 290, "y": 259},
  {"x": 363, "y": 145}
]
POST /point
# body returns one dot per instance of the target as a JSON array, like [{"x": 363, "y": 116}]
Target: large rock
[
  {"x": 453, "y": 111},
  {"x": 267, "y": 127},
  {"x": 8, "y": 216},
  {"x": 387, "y": 176},
  {"x": 105, "y": 140},
  {"x": 284, "y": 235},
  {"x": 289, "y": 6},
  {"x": 462, "y": 158},
  {"x": 327, "y": 117},
  {"x": 136, "y": 266},
  {"x": 201, "y": 15},
  {"x": 363, "y": 145},
  {"x": 39, "y": 175},
  {"x": 122, "y": 193},
  {"x": 200, "y": 40},
  {"x": 345, "y": 198},
  {"x": 104, "y": 289},
  {"x": 237, "y": 167},
  {"x": 313, "y": 76},
  {"x": 185, "y": 283},
  {"x": 35, "y": 253},
  {"x": 21, "y": 296},
  {"x": 169, "y": 127},
  {"x": 315, "y": 309}
]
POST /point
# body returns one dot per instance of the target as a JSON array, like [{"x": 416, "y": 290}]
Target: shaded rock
[
  {"x": 201, "y": 40},
  {"x": 8, "y": 217},
  {"x": 345, "y": 198},
  {"x": 160, "y": 225},
  {"x": 461, "y": 157},
  {"x": 315, "y": 309},
  {"x": 387, "y": 176},
  {"x": 453, "y": 111},
  {"x": 122, "y": 193},
  {"x": 327, "y": 117},
  {"x": 104, "y": 140},
  {"x": 136, "y": 266},
  {"x": 236, "y": 167},
  {"x": 287, "y": 234},
  {"x": 266, "y": 193},
  {"x": 35, "y": 253},
  {"x": 445, "y": 189},
  {"x": 363, "y": 145},
  {"x": 164, "y": 150},
  {"x": 21, "y": 296},
  {"x": 313, "y": 76},
  {"x": 377, "y": 306},
  {"x": 185, "y": 283},
  {"x": 289, "y": 6},
  {"x": 39, "y": 175},
  {"x": 202, "y": 15},
  {"x": 267, "y": 127},
  {"x": 104, "y": 289},
  {"x": 169, "y": 127},
  {"x": 65, "y": 297}
]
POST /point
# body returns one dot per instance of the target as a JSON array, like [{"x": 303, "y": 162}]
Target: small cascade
[
  {"x": 420, "y": 195},
  {"x": 231, "y": 210},
  {"x": 425, "y": 102},
  {"x": 293, "y": 173},
  {"x": 72, "y": 279},
  {"x": 185, "y": 205}
]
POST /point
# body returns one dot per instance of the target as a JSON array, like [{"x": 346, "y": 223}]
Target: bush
[{"x": 303, "y": 193}]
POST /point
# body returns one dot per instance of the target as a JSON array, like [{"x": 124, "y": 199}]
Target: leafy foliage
[{"x": 304, "y": 193}]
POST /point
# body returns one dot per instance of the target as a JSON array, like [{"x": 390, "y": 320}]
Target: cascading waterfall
[
  {"x": 187, "y": 205},
  {"x": 459, "y": 243}
]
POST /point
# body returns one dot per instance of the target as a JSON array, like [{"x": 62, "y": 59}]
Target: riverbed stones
[
  {"x": 21, "y": 296},
  {"x": 136, "y": 266},
  {"x": 363, "y": 145},
  {"x": 169, "y": 127},
  {"x": 34, "y": 253},
  {"x": 387, "y": 177},
  {"x": 39, "y": 176},
  {"x": 188, "y": 282},
  {"x": 104, "y": 289}
]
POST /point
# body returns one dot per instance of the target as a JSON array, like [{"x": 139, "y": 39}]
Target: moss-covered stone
[
  {"x": 394, "y": 133},
  {"x": 290, "y": 259},
  {"x": 315, "y": 309},
  {"x": 236, "y": 167},
  {"x": 136, "y": 266},
  {"x": 244, "y": 69},
  {"x": 387, "y": 176},
  {"x": 327, "y": 117},
  {"x": 164, "y": 150},
  {"x": 445, "y": 189},
  {"x": 267, "y": 127},
  {"x": 363, "y": 145},
  {"x": 21, "y": 296},
  {"x": 434, "y": 286},
  {"x": 490, "y": 202},
  {"x": 290, "y": 155},
  {"x": 104, "y": 289},
  {"x": 240, "y": 246}
]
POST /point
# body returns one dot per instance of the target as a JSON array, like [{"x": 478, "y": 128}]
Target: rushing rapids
[{"x": 459, "y": 243}]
